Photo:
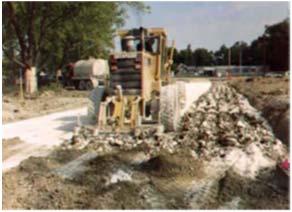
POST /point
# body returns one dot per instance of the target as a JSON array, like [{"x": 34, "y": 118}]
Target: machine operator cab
[
  {"x": 149, "y": 44},
  {"x": 130, "y": 44},
  {"x": 142, "y": 39}
]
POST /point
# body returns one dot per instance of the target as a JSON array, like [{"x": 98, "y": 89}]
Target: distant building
[{"x": 219, "y": 71}]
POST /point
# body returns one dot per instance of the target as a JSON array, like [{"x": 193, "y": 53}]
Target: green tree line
[{"x": 270, "y": 49}]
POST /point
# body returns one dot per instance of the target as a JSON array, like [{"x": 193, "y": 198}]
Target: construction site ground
[
  {"x": 45, "y": 102},
  {"x": 225, "y": 156},
  {"x": 37, "y": 136},
  {"x": 37, "y": 123}
]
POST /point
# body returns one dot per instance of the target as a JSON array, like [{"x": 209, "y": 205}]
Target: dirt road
[{"x": 38, "y": 135}]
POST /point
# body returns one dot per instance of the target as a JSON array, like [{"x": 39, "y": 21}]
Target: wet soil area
[{"x": 223, "y": 157}]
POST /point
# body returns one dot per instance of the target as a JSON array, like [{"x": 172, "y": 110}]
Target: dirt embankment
[
  {"x": 45, "y": 102},
  {"x": 271, "y": 97}
]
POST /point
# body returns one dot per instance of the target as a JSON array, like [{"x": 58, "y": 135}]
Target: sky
[{"x": 210, "y": 24}]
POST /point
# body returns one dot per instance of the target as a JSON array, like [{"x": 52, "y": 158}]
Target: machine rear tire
[{"x": 169, "y": 108}]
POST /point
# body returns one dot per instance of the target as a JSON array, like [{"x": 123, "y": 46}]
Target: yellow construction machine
[{"x": 139, "y": 90}]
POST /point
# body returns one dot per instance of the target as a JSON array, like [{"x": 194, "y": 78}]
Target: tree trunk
[{"x": 30, "y": 80}]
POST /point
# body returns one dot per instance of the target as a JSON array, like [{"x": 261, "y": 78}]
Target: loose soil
[
  {"x": 90, "y": 190},
  {"x": 271, "y": 97},
  {"x": 224, "y": 157},
  {"x": 165, "y": 182},
  {"x": 47, "y": 101}
]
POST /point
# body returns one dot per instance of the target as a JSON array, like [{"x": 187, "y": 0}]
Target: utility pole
[
  {"x": 240, "y": 57},
  {"x": 265, "y": 57},
  {"x": 229, "y": 57},
  {"x": 229, "y": 62},
  {"x": 263, "y": 42}
]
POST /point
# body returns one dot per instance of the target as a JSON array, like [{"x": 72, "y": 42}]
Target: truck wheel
[
  {"x": 89, "y": 85},
  {"x": 75, "y": 84},
  {"x": 169, "y": 108},
  {"x": 82, "y": 85}
]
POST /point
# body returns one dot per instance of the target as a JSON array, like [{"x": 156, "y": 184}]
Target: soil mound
[{"x": 170, "y": 165}]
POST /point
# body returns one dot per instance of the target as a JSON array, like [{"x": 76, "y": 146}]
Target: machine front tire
[{"x": 169, "y": 108}]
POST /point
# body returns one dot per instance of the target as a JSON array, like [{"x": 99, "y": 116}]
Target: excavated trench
[{"x": 225, "y": 156}]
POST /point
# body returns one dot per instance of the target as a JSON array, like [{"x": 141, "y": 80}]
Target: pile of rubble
[
  {"x": 150, "y": 140},
  {"x": 216, "y": 123},
  {"x": 222, "y": 119}
]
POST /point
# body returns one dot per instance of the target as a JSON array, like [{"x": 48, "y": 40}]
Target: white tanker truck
[{"x": 86, "y": 74}]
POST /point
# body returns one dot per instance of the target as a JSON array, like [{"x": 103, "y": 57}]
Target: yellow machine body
[{"x": 137, "y": 73}]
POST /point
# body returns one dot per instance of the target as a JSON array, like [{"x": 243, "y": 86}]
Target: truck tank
[{"x": 91, "y": 70}]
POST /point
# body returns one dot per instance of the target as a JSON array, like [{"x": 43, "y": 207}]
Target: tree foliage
[
  {"x": 277, "y": 41},
  {"x": 51, "y": 34},
  {"x": 203, "y": 57}
]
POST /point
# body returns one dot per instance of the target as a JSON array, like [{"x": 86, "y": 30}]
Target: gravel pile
[
  {"x": 216, "y": 123},
  {"x": 150, "y": 140},
  {"x": 222, "y": 119}
]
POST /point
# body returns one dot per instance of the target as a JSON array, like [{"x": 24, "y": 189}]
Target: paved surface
[{"x": 40, "y": 134}]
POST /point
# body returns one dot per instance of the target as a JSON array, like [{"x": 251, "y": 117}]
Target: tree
[
  {"x": 257, "y": 51},
  {"x": 272, "y": 48},
  {"x": 189, "y": 56},
  {"x": 221, "y": 56},
  {"x": 49, "y": 34},
  {"x": 203, "y": 57},
  {"x": 276, "y": 42},
  {"x": 239, "y": 53}
]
